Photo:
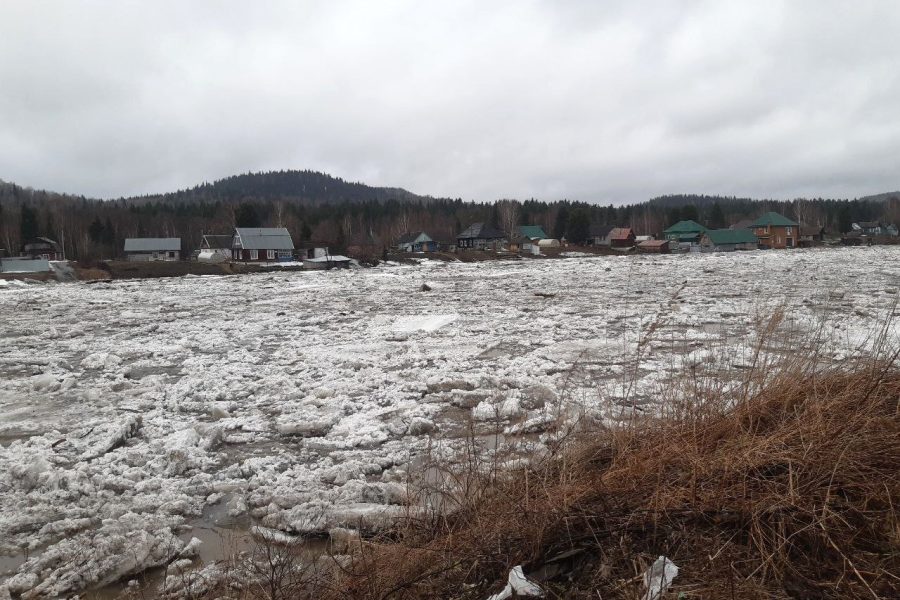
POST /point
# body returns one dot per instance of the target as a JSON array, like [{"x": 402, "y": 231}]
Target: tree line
[{"x": 353, "y": 217}]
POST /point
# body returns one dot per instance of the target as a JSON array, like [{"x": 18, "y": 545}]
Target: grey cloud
[{"x": 605, "y": 102}]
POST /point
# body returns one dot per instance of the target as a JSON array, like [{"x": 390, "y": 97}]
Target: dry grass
[{"x": 785, "y": 486}]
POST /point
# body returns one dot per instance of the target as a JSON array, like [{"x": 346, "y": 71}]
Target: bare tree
[{"x": 508, "y": 215}]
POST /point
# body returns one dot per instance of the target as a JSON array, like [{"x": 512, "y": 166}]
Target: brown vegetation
[{"x": 789, "y": 493}]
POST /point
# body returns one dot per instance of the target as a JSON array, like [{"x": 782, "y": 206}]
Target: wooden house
[
  {"x": 776, "y": 231},
  {"x": 621, "y": 237},
  {"x": 42, "y": 247},
  {"x": 416, "y": 241},
  {"x": 153, "y": 249},
  {"x": 262, "y": 244},
  {"x": 479, "y": 236},
  {"x": 811, "y": 235},
  {"x": 728, "y": 240}
]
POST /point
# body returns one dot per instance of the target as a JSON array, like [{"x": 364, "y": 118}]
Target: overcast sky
[{"x": 595, "y": 101}]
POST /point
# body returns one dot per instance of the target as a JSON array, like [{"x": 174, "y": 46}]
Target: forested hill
[{"x": 310, "y": 188}]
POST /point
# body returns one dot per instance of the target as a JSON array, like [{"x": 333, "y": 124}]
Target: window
[
  {"x": 254, "y": 255},
  {"x": 171, "y": 255},
  {"x": 270, "y": 254},
  {"x": 788, "y": 231}
]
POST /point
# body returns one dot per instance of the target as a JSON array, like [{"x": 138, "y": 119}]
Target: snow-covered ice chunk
[{"x": 422, "y": 323}]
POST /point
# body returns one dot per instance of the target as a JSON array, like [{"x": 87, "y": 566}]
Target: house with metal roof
[
  {"x": 532, "y": 232},
  {"x": 262, "y": 244},
  {"x": 598, "y": 235},
  {"x": 42, "y": 247},
  {"x": 621, "y": 237},
  {"x": 416, "y": 241},
  {"x": 686, "y": 231},
  {"x": 654, "y": 246},
  {"x": 152, "y": 249},
  {"x": 480, "y": 237},
  {"x": 728, "y": 240},
  {"x": 776, "y": 231}
]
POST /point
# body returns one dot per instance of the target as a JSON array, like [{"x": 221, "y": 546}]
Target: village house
[
  {"x": 728, "y": 240},
  {"x": 42, "y": 247},
  {"x": 416, "y": 241},
  {"x": 153, "y": 249},
  {"x": 776, "y": 231},
  {"x": 685, "y": 233},
  {"x": 598, "y": 235},
  {"x": 480, "y": 237},
  {"x": 532, "y": 232},
  {"x": 810, "y": 235},
  {"x": 621, "y": 237},
  {"x": 875, "y": 228},
  {"x": 262, "y": 244},
  {"x": 654, "y": 246}
]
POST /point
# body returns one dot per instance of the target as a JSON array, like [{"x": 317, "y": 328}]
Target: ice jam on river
[{"x": 130, "y": 411}]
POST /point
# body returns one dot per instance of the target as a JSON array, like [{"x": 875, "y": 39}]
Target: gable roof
[
  {"x": 621, "y": 233},
  {"x": 686, "y": 226},
  {"x": 409, "y": 238},
  {"x": 600, "y": 231},
  {"x": 773, "y": 219},
  {"x": 152, "y": 244},
  {"x": 480, "y": 231},
  {"x": 532, "y": 232},
  {"x": 264, "y": 238},
  {"x": 811, "y": 230},
  {"x": 742, "y": 224},
  {"x": 217, "y": 241},
  {"x": 731, "y": 236},
  {"x": 40, "y": 241}
]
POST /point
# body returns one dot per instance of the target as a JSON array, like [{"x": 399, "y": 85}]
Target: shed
[
  {"x": 153, "y": 249},
  {"x": 548, "y": 243},
  {"x": 262, "y": 244},
  {"x": 330, "y": 261},
  {"x": 215, "y": 248},
  {"x": 728, "y": 240},
  {"x": 654, "y": 246}
]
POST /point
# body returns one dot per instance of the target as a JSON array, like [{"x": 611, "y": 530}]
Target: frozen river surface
[{"x": 130, "y": 411}]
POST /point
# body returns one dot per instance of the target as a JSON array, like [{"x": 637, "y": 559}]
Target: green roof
[
  {"x": 685, "y": 227},
  {"x": 532, "y": 232},
  {"x": 773, "y": 218},
  {"x": 731, "y": 236}
]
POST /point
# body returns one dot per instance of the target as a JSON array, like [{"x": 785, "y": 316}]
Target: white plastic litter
[
  {"x": 519, "y": 584},
  {"x": 658, "y": 577}
]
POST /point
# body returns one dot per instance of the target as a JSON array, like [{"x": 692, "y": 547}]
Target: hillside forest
[{"x": 353, "y": 217}]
